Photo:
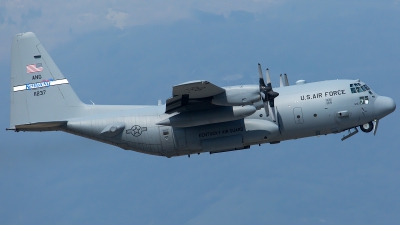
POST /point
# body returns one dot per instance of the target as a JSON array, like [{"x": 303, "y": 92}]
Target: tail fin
[{"x": 40, "y": 94}]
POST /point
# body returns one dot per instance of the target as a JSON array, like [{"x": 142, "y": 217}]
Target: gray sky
[{"x": 130, "y": 52}]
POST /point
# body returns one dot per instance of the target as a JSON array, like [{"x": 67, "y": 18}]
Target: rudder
[{"x": 39, "y": 91}]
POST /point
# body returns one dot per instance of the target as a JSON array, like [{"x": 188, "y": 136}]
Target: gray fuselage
[{"x": 304, "y": 110}]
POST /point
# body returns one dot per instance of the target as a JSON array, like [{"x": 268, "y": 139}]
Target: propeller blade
[
  {"x": 260, "y": 72},
  {"x": 286, "y": 80},
  {"x": 273, "y": 113},
  {"x": 268, "y": 78},
  {"x": 265, "y": 101},
  {"x": 376, "y": 126},
  {"x": 261, "y": 80},
  {"x": 266, "y": 108},
  {"x": 262, "y": 96},
  {"x": 281, "y": 81}
]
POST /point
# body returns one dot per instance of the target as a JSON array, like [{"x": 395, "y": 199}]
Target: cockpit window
[
  {"x": 364, "y": 100},
  {"x": 357, "y": 88}
]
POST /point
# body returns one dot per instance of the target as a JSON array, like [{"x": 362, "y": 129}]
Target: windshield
[{"x": 357, "y": 88}]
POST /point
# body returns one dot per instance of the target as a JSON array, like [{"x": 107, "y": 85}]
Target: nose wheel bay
[{"x": 368, "y": 127}]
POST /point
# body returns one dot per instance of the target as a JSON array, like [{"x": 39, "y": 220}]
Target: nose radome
[{"x": 384, "y": 106}]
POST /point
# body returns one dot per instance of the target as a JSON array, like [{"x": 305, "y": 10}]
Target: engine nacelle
[{"x": 238, "y": 95}]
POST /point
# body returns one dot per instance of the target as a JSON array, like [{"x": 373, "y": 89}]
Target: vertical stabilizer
[{"x": 39, "y": 91}]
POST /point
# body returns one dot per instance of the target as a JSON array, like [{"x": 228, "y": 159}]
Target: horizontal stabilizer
[{"x": 43, "y": 126}]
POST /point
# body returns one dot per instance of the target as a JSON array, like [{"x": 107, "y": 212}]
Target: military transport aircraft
[{"x": 199, "y": 117}]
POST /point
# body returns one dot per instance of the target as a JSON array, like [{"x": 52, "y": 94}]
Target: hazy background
[{"x": 133, "y": 52}]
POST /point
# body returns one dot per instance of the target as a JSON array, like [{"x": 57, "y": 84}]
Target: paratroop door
[{"x": 298, "y": 115}]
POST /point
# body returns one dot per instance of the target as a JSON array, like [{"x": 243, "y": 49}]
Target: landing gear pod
[{"x": 368, "y": 127}]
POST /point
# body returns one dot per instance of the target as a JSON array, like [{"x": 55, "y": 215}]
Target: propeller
[
  {"x": 286, "y": 80},
  {"x": 283, "y": 80},
  {"x": 267, "y": 94}
]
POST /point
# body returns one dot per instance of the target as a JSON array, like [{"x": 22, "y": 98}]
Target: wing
[{"x": 193, "y": 95}]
